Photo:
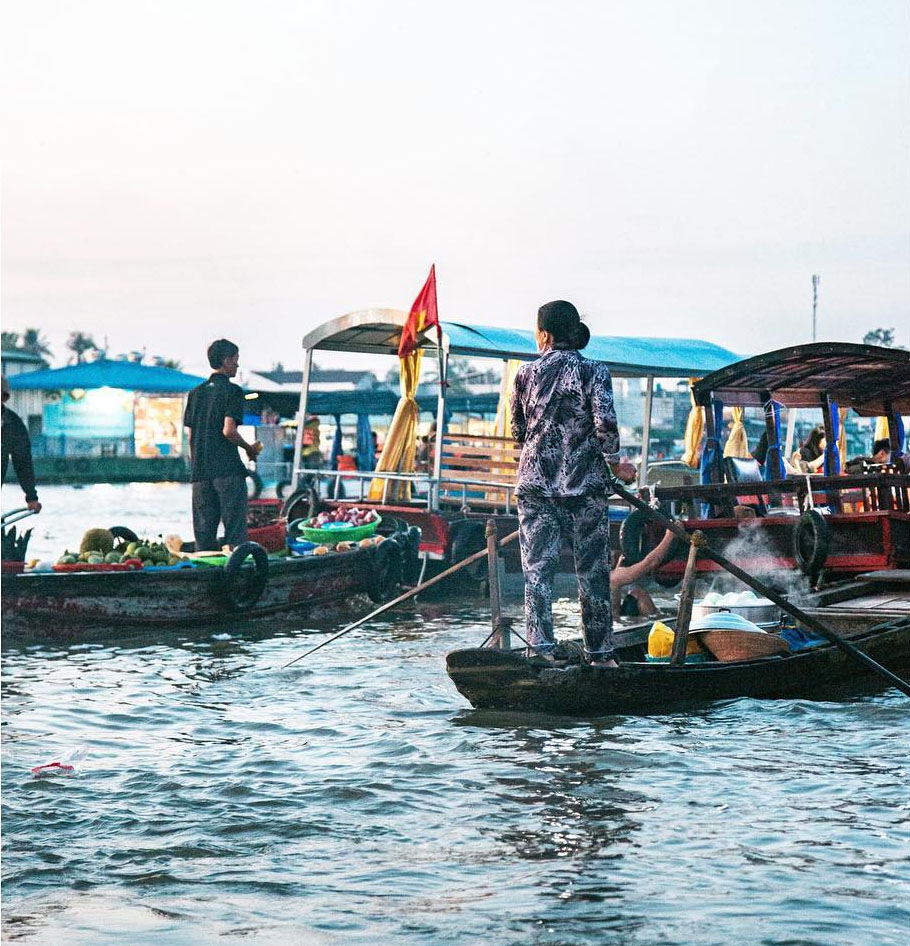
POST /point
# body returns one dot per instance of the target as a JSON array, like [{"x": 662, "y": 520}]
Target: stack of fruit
[
  {"x": 343, "y": 524},
  {"x": 344, "y": 518},
  {"x": 150, "y": 554},
  {"x": 348, "y": 546},
  {"x": 91, "y": 557},
  {"x": 97, "y": 550}
]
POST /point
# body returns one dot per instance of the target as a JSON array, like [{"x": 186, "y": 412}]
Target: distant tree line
[
  {"x": 79, "y": 345},
  {"x": 880, "y": 336},
  {"x": 30, "y": 341}
]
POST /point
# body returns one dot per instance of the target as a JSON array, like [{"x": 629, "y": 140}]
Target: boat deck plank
[{"x": 882, "y": 602}]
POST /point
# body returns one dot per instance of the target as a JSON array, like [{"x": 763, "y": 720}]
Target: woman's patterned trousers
[{"x": 544, "y": 522}]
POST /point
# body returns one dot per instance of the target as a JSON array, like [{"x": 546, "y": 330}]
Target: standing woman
[{"x": 563, "y": 415}]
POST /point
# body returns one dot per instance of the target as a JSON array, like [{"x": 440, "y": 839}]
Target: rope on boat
[{"x": 410, "y": 593}]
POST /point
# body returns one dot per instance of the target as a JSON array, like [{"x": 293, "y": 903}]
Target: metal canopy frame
[{"x": 377, "y": 331}]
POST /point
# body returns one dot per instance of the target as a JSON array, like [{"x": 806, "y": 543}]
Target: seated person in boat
[
  {"x": 760, "y": 453},
  {"x": 564, "y": 418},
  {"x": 628, "y": 599},
  {"x": 214, "y": 410},
  {"x": 881, "y": 455},
  {"x": 426, "y": 449},
  {"x": 311, "y": 449},
  {"x": 811, "y": 455},
  {"x": 344, "y": 462}
]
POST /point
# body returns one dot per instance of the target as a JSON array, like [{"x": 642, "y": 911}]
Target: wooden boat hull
[
  {"x": 508, "y": 680},
  {"x": 184, "y": 597}
]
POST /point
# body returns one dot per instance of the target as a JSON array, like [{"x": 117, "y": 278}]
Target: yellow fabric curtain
[
  {"x": 737, "y": 444},
  {"x": 400, "y": 447},
  {"x": 842, "y": 437},
  {"x": 695, "y": 430},
  {"x": 881, "y": 429},
  {"x": 502, "y": 426},
  {"x": 503, "y": 465}
]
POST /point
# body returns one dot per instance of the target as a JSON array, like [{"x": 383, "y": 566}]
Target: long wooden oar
[
  {"x": 410, "y": 593},
  {"x": 767, "y": 592}
]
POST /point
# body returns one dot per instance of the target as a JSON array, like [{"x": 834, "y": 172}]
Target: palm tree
[
  {"x": 10, "y": 341},
  {"x": 35, "y": 343},
  {"x": 79, "y": 343},
  {"x": 880, "y": 336}
]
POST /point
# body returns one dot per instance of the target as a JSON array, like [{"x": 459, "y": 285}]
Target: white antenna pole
[{"x": 815, "y": 281}]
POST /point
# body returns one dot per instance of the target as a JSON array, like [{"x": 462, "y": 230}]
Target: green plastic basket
[{"x": 334, "y": 536}]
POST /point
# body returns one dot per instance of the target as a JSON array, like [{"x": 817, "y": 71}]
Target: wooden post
[
  {"x": 501, "y": 636},
  {"x": 687, "y": 596}
]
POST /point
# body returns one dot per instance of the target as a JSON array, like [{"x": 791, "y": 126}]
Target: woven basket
[{"x": 742, "y": 645}]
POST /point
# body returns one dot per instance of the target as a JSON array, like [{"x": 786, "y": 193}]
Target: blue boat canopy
[
  {"x": 377, "y": 332},
  {"x": 127, "y": 375}
]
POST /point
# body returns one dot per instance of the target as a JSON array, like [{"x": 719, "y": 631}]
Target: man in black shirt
[
  {"x": 18, "y": 448},
  {"x": 214, "y": 410}
]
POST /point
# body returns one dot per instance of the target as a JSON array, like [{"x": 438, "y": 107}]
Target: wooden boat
[
  {"x": 469, "y": 477},
  {"x": 830, "y": 524},
  {"x": 873, "y": 615},
  {"x": 201, "y": 595}
]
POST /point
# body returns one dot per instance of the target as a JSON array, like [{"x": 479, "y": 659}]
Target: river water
[{"x": 357, "y": 798}]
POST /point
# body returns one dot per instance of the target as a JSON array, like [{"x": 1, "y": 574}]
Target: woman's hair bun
[
  {"x": 562, "y": 321},
  {"x": 581, "y": 335}
]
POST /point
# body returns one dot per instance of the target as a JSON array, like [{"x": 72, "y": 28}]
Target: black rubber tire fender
[
  {"x": 302, "y": 504},
  {"x": 634, "y": 539},
  {"x": 253, "y": 485},
  {"x": 412, "y": 561},
  {"x": 408, "y": 539},
  {"x": 811, "y": 542},
  {"x": 385, "y": 571},
  {"x": 392, "y": 525},
  {"x": 468, "y": 537},
  {"x": 236, "y": 598},
  {"x": 122, "y": 535},
  {"x": 679, "y": 549},
  {"x": 295, "y": 529}
]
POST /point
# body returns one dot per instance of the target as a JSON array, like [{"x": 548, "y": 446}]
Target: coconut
[{"x": 97, "y": 540}]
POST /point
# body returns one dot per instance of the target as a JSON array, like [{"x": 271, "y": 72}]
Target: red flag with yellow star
[{"x": 423, "y": 315}]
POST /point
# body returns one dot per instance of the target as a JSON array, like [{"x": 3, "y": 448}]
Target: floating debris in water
[{"x": 64, "y": 766}]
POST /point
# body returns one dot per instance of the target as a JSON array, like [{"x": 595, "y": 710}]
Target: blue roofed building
[{"x": 109, "y": 408}]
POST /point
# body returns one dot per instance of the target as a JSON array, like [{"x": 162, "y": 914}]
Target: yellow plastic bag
[{"x": 660, "y": 641}]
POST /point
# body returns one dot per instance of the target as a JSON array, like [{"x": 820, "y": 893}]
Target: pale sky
[{"x": 175, "y": 171}]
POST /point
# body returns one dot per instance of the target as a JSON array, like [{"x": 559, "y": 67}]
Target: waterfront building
[
  {"x": 28, "y": 404},
  {"x": 108, "y": 420}
]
